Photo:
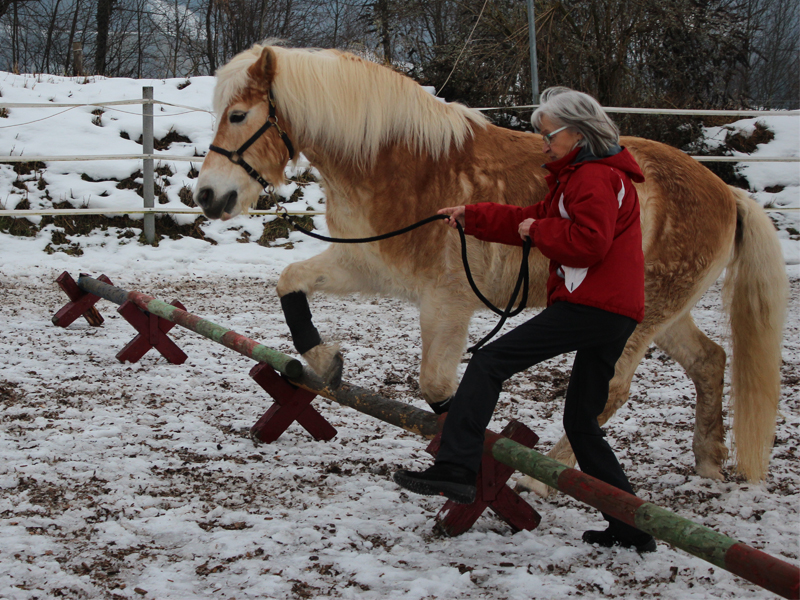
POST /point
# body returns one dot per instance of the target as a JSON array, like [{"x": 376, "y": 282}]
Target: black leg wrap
[
  {"x": 298, "y": 317},
  {"x": 441, "y": 407}
]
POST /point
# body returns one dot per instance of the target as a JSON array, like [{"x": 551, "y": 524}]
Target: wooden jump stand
[
  {"x": 152, "y": 329},
  {"x": 493, "y": 490},
  {"x": 152, "y": 334},
  {"x": 291, "y": 404},
  {"x": 81, "y": 303}
]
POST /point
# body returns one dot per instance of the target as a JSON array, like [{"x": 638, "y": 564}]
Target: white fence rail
[
  {"x": 148, "y": 157},
  {"x": 135, "y": 211},
  {"x": 674, "y": 111},
  {"x": 77, "y": 157}
]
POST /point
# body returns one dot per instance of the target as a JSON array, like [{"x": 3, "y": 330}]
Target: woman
[{"x": 588, "y": 226}]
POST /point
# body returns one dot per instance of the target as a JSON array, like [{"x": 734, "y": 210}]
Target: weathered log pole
[
  {"x": 291, "y": 367},
  {"x": 371, "y": 403},
  {"x": 726, "y": 553}
]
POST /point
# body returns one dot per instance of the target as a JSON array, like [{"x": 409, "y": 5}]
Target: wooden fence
[{"x": 148, "y": 156}]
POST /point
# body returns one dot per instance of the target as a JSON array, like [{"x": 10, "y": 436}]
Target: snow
[
  {"x": 765, "y": 174},
  {"x": 141, "y": 481}
]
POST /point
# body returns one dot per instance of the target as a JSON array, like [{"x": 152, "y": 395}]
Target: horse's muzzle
[{"x": 214, "y": 207}]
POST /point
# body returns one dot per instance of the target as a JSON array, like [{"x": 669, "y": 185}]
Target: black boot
[
  {"x": 442, "y": 479},
  {"x": 607, "y": 539}
]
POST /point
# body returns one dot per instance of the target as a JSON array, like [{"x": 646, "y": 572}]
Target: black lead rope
[
  {"x": 375, "y": 238},
  {"x": 522, "y": 279}
]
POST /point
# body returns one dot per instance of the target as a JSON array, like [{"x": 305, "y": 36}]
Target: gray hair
[{"x": 580, "y": 111}]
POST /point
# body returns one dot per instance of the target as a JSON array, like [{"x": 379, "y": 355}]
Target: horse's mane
[{"x": 352, "y": 106}]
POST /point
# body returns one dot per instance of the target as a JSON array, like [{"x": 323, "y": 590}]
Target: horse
[{"x": 390, "y": 154}]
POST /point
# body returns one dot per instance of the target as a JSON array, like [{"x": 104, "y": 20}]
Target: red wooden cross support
[
  {"x": 81, "y": 303},
  {"x": 152, "y": 334},
  {"x": 291, "y": 404},
  {"x": 493, "y": 492}
]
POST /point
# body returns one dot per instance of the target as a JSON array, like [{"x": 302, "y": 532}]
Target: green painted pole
[
  {"x": 291, "y": 367},
  {"x": 727, "y": 553}
]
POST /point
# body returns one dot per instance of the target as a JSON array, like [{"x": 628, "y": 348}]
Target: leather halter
[{"x": 237, "y": 156}]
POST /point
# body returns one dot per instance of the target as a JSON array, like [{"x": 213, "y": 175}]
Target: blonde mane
[{"x": 351, "y": 106}]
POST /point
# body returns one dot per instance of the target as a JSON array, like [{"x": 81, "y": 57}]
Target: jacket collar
[
  {"x": 585, "y": 154},
  {"x": 556, "y": 167},
  {"x": 616, "y": 157}
]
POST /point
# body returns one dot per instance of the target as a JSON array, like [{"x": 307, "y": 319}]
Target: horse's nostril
[
  {"x": 205, "y": 197},
  {"x": 229, "y": 201}
]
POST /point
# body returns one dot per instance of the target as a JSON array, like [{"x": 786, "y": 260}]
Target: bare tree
[
  {"x": 211, "y": 36},
  {"x": 6, "y": 4},
  {"x": 45, "y": 63},
  {"x": 772, "y": 72},
  {"x": 104, "y": 8},
  {"x": 683, "y": 53}
]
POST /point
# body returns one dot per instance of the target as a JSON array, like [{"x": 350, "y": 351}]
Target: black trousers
[{"x": 598, "y": 336}]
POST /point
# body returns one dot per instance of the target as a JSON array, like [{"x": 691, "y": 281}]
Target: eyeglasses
[{"x": 548, "y": 137}]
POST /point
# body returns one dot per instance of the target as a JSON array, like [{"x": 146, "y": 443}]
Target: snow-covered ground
[{"x": 140, "y": 480}]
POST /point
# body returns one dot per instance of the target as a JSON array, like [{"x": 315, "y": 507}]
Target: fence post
[
  {"x": 77, "y": 59},
  {"x": 532, "y": 49},
  {"x": 147, "y": 166}
]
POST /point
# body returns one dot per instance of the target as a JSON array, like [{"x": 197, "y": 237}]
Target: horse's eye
[{"x": 237, "y": 117}]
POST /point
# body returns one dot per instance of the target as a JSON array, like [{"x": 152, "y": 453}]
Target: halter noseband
[{"x": 237, "y": 156}]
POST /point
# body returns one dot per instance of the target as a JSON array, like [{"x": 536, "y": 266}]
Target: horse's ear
[{"x": 263, "y": 70}]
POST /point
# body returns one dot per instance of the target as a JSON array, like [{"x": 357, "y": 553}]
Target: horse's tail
[{"x": 755, "y": 294}]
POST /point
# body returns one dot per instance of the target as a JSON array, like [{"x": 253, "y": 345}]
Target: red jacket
[{"x": 587, "y": 225}]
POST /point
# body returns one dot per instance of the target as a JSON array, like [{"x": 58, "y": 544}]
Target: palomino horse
[{"x": 390, "y": 154}]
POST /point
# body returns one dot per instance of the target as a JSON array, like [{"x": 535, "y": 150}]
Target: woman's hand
[
  {"x": 455, "y": 214},
  {"x": 525, "y": 228}
]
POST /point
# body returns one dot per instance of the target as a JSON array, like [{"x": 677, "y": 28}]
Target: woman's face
[{"x": 561, "y": 143}]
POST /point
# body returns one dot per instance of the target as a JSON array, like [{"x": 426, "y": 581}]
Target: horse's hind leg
[
  {"x": 326, "y": 272},
  {"x": 618, "y": 392},
  {"x": 704, "y": 362}
]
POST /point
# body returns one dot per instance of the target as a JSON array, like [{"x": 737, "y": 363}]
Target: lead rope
[{"x": 522, "y": 280}]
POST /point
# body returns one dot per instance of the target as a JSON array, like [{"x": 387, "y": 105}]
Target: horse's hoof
[
  {"x": 529, "y": 484},
  {"x": 333, "y": 376},
  {"x": 709, "y": 470},
  {"x": 327, "y": 362}
]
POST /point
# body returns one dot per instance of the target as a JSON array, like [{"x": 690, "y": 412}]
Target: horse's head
[{"x": 252, "y": 145}]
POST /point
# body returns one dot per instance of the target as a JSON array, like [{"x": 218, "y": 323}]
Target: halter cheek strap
[{"x": 237, "y": 156}]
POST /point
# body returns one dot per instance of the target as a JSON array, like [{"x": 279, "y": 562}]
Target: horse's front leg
[
  {"x": 326, "y": 272},
  {"x": 444, "y": 324}
]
